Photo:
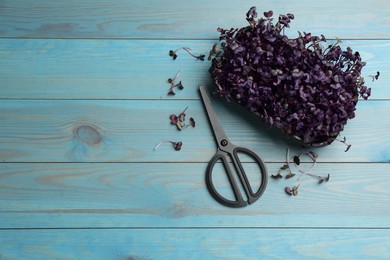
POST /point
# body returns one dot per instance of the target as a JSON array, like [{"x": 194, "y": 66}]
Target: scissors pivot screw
[{"x": 224, "y": 142}]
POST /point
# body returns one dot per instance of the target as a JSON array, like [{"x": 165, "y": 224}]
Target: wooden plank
[
  {"x": 128, "y": 131},
  {"x": 189, "y": 19},
  {"x": 134, "y": 69},
  {"x": 195, "y": 244},
  {"x": 174, "y": 195}
]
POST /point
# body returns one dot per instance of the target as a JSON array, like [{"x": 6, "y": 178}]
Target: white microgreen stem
[
  {"x": 312, "y": 166},
  {"x": 309, "y": 174},
  {"x": 165, "y": 141},
  {"x": 344, "y": 141},
  {"x": 200, "y": 57},
  {"x": 184, "y": 48},
  {"x": 176, "y": 77},
  {"x": 189, "y": 52}
]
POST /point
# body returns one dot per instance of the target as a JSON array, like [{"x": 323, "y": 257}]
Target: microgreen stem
[
  {"x": 188, "y": 50},
  {"x": 177, "y": 145},
  {"x": 200, "y": 57}
]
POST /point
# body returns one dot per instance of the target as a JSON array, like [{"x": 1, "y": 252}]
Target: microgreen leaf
[
  {"x": 296, "y": 159},
  {"x": 290, "y": 175},
  {"x": 288, "y": 191},
  {"x": 173, "y": 119},
  {"x": 179, "y": 120},
  {"x": 277, "y": 176},
  {"x": 192, "y": 122}
]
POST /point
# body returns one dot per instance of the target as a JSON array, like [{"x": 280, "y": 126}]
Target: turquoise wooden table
[{"x": 83, "y": 104}]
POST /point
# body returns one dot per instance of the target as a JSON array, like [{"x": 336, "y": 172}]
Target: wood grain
[
  {"x": 83, "y": 104},
  {"x": 189, "y": 19},
  {"x": 128, "y": 131},
  {"x": 174, "y": 195},
  {"x": 195, "y": 244},
  {"x": 122, "y": 69}
]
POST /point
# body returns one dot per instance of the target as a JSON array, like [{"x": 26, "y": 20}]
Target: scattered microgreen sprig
[
  {"x": 174, "y": 85},
  {"x": 296, "y": 159},
  {"x": 176, "y": 145},
  {"x": 173, "y": 53},
  {"x": 179, "y": 120}
]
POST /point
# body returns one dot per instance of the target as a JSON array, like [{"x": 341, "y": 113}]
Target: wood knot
[{"x": 88, "y": 135}]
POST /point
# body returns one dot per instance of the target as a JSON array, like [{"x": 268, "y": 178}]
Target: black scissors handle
[{"x": 242, "y": 176}]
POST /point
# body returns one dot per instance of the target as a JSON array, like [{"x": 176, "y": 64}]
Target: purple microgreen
[
  {"x": 290, "y": 175},
  {"x": 327, "y": 177},
  {"x": 216, "y": 51},
  {"x": 284, "y": 167},
  {"x": 182, "y": 115},
  {"x": 174, "y": 119},
  {"x": 295, "y": 190},
  {"x": 173, "y": 54},
  {"x": 288, "y": 191},
  {"x": 171, "y": 93},
  {"x": 344, "y": 141},
  {"x": 192, "y": 122},
  {"x": 276, "y": 176},
  {"x": 321, "y": 179},
  {"x": 296, "y": 160},
  {"x": 291, "y": 191},
  {"x": 312, "y": 155},
  {"x": 171, "y": 81},
  {"x": 179, "y": 125},
  {"x": 375, "y": 77},
  {"x": 306, "y": 90},
  {"x": 179, "y": 86},
  {"x": 176, "y": 145},
  {"x": 179, "y": 120},
  {"x": 268, "y": 14}
]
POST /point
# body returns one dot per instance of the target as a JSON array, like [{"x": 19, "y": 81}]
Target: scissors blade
[{"x": 219, "y": 133}]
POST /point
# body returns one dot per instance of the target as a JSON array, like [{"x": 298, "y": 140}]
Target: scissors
[{"x": 227, "y": 151}]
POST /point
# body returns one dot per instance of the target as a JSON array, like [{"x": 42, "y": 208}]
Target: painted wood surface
[
  {"x": 174, "y": 195},
  {"x": 185, "y": 19},
  {"x": 121, "y": 69},
  {"x": 143, "y": 244},
  {"x": 128, "y": 131},
  {"x": 83, "y": 104}
]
